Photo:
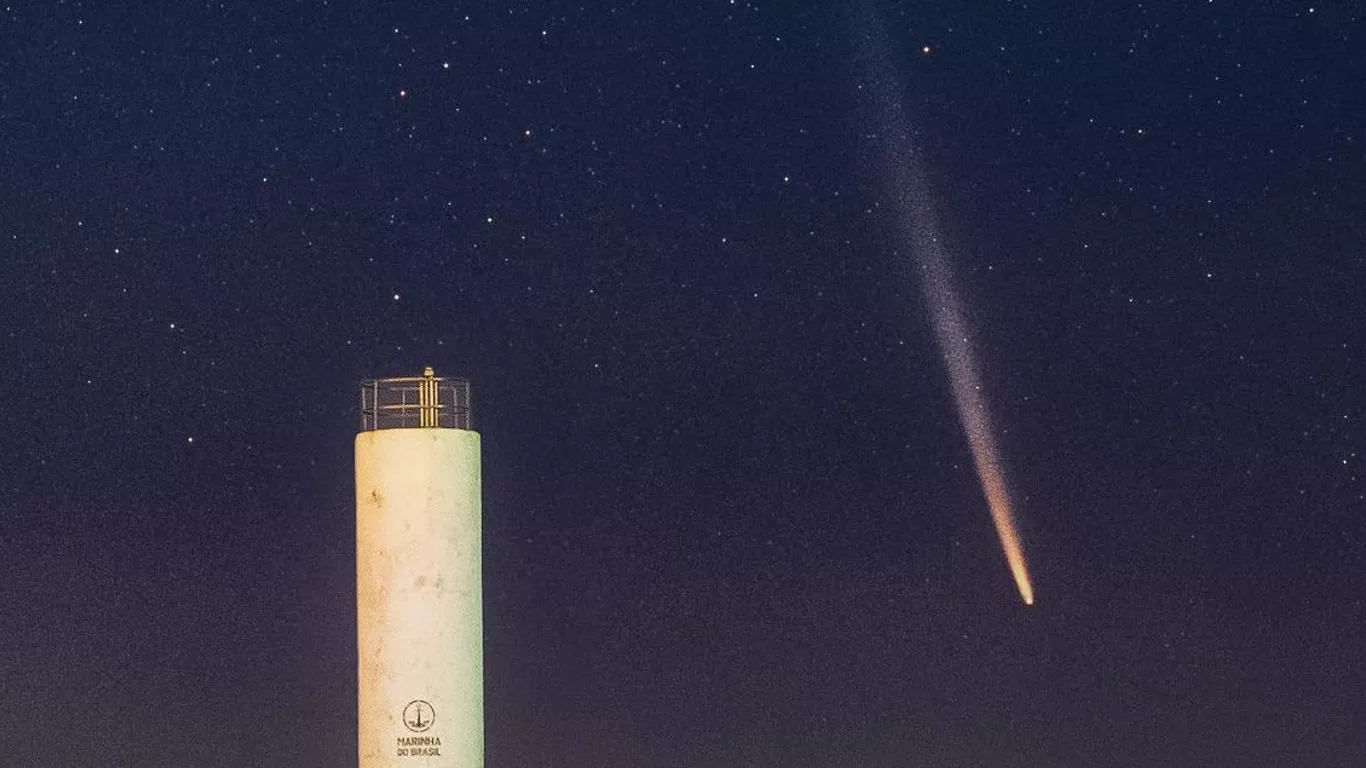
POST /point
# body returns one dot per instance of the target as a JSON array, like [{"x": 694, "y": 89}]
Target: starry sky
[{"x": 730, "y": 516}]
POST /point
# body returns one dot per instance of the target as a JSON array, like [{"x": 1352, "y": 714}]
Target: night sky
[{"x": 731, "y": 518}]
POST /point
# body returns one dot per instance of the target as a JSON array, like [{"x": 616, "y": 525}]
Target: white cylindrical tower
[{"x": 419, "y": 599}]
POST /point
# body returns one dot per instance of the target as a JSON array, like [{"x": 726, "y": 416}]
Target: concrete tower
[{"x": 419, "y": 601}]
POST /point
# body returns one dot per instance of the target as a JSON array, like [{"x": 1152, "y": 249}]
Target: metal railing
[{"x": 414, "y": 402}]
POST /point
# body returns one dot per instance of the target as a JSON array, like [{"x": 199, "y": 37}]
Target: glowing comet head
[{"x": 986, "y": 456}]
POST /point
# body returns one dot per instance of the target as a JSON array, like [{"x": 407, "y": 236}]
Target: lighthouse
[{"x": 419, "y": 597}]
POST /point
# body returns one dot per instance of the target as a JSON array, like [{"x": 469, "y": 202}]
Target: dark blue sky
[{"x": 730, "y": 518}]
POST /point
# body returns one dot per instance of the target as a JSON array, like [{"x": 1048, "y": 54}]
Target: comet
[{"x": 930, "y": 267}]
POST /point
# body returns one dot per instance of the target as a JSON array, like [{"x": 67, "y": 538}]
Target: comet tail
[{"x": 931, "y": 266}]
